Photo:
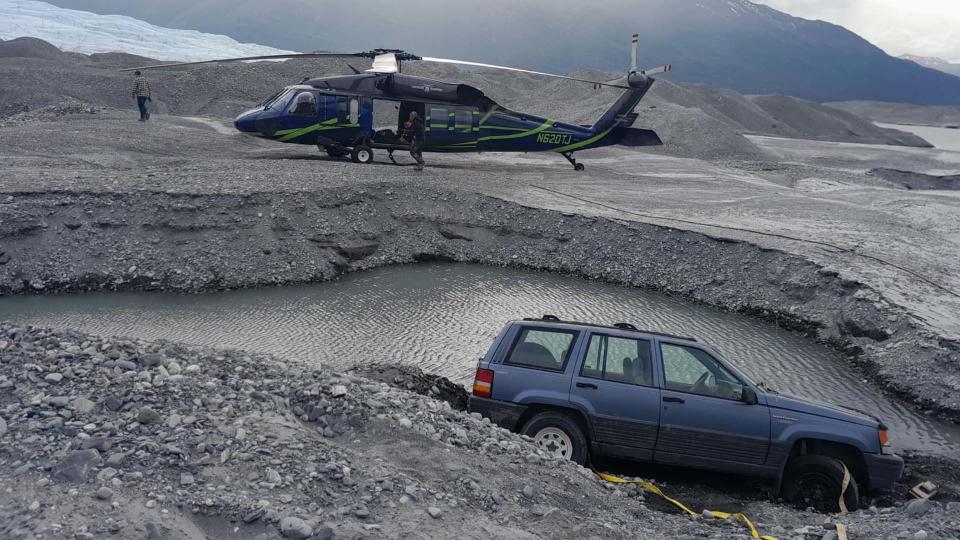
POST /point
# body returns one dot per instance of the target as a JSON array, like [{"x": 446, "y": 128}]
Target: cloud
[{"x": 922, "y": 27}]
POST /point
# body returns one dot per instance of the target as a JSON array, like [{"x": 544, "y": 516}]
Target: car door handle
[
  {"x": 671, "y": 399},
  {"x": 586, "y": 385}
]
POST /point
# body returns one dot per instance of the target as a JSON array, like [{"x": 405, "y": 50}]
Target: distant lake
[{"x": 943, "y": 138}]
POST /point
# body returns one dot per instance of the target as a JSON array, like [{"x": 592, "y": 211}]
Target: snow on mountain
[
  {"x": 85, "y": 32},
  {"x": 931, "y": 62}
]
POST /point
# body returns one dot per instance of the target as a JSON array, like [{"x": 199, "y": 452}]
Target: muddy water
[{"x": 443, "y": 317}]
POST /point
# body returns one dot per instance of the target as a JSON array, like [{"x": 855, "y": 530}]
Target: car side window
[
  {"x": 688, "y": 369},
  {"x": 542, "y": 348},
  {"x": 618, "y": 359}
]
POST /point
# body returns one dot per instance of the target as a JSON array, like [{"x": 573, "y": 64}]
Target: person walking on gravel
[
  {"x": 141, "y": 92},
  {"x": 414, "y": 134}
]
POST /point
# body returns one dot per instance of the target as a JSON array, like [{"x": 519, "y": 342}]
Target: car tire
[
  {"x": 558, "y": 433},
  {"x": 362, "y": 154},
  {"x": 816, "y": 480}
]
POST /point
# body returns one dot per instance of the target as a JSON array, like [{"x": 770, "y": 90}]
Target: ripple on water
[{"x": 443, "y": 317}]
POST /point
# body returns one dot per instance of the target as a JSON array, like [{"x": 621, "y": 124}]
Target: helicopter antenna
[{"x": 633, "y": 53}]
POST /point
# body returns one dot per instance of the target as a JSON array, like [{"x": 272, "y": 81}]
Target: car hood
[{"x": 809, "y": 406}]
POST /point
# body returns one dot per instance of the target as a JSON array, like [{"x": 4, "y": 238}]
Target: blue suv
[{"x": 578, "y": 389}]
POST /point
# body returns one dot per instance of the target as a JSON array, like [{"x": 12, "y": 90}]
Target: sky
[{"x": 921, "y": 27}]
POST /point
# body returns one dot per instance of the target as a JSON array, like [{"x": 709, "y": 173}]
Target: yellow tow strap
[
  {"x": 843, "y": 489},
  {"x": 719, "y": 515}
]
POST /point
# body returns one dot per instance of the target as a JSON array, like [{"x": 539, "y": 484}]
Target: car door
[
  {"x": 703, "y": 421},
  {"x": 615, "y": 384}
]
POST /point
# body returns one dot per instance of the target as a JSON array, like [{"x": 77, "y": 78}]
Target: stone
[
  {"x": 54, "y": 378},
  {"x": 100, "y": 443},
  {"x": 113, "y": 403},
  {"x": 106, "y": 474},
  {"x": 126, "y": 365},
  {"x": 434, "y": 512},
  {"x": 151, "y": 360},
  {"x": 77, "y": 465},
  {"x": 273, "y": 477},
  {"x": 920, "y": 535},
  {"x": 82, "y": 405},
  {"x": 338, "y": 390},
  {"x": 59, "y": 401},
  {"x": 529, "y": 491},
  {"x": 294, "y": 527},
  {"x": 406, "y": 423},
  {"x": 186, "y": 479},
  {"x": 918, "y": 507},
  {"x": 362, "y": 512},
  {"x": 3, "y": 427},
  {"x": 146, "y": 415},
  {"x": 104, "y": 493},
  {"x": 322, "y": 532}
]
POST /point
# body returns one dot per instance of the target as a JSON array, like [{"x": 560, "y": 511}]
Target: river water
[
  {"x": 942, "y": 138},
  {"x": 443, "y": 317}
]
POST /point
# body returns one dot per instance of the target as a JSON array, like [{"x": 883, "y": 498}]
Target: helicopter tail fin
[{"x": 621, "y": 112}]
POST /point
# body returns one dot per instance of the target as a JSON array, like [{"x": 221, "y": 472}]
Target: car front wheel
[
  {"x": 558, "y": 435},
  {"x": 818, "y": 481}
]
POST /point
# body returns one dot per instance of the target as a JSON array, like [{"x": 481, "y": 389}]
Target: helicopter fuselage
[{"x": 338, "y": 112}]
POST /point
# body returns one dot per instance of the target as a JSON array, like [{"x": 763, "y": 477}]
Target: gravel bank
[{"x": 142, "y": 439}]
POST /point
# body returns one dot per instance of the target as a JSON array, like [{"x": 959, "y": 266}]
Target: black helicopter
[{"x": 336, "y": 112}]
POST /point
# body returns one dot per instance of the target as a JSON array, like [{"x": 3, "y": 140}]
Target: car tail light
[
  {"x": 483, "y": 383},
  {"x": 884, "y": 438}
]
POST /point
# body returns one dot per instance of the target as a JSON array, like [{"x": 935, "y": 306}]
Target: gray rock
[
  {"x": 323, "y": 532},
  {"x": 294, "y": 527},
  {"x": 82, "y": 405},
  {"x": 338, "y": 390},
  {"x": 3, "y": 427},
  {"x": 115, "y": 459},
  {"x": 100, "y": 443},
  {"x": 77, "y": 465},
  {"x": 113, "y": 403},
  {"x": 104, "y": 493},
  {"x": 151, "y": 360},
  {"x": 920, "y": 535},
  {"x": 362, "y": 512},
  {"x": 918, "y": 507},
  {"x": 59, "y": 401},
  {"x": 106, "y": 474},
  {"x": 125, "y": 365},
  {"x": 146, "y": 415},
  {"x": 186, "y": 479},
  {"x": 54, "y": 378},
  {"x": 273, "y": 477},
  {"x": 434, "y": 512},
  {"x": 406, "y": 422},
  {"x": 529, "y": 492}
]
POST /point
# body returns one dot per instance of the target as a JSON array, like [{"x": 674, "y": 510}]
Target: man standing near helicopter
[
  {"x": 414, "y": 133},
  {"x": 141, "y": 92}
]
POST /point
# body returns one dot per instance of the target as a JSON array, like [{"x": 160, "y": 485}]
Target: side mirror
[{"x": 749, "y": 396}]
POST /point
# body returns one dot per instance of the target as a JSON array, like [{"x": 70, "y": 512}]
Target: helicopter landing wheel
[
  {"x": 362, "y": 154},
  {"x": 570, "y": 158}
]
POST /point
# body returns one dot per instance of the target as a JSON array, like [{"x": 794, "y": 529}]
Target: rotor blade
[
  {"x": 519, "y": 70},
  {"x": 249, "y": 58},
  {"x": 661, "y": 69}
]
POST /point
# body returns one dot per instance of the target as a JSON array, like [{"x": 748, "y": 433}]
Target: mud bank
[{"x": 144, "y": 240}]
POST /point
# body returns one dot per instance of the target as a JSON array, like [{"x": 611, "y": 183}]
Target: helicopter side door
[{"x": 451, "y": 127}]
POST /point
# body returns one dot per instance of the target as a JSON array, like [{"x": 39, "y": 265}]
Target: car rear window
[{"x": 542, "y": 348}]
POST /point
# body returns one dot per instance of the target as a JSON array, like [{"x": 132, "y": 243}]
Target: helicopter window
[
  {"x": 305, "y": 104},
  {"x": 354, "y": 110},
  {"x": 278, "y": 100},
  {"x": 464, "y": 120},
  {"x": 327, "y": 105},
  {"x": 438, "y": 119}
]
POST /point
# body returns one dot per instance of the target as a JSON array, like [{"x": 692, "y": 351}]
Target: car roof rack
[{"x": 618, "y": 326}]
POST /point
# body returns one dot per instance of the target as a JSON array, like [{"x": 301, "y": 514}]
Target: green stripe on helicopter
[
  {"x": 526, "y": 133},
  {"x": 290, "y": 134},
  {"x": 585, "y": 142}
]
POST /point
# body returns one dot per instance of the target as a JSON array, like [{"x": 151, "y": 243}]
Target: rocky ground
[{"x": 113, "y": 437}]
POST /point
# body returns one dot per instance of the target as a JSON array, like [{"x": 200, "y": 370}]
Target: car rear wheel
[
  {"x": 817, "y": 481},
  {"x": 557, "y": 434}
]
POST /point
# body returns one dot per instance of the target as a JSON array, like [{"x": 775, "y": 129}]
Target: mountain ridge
[{"x": 735, "y": 44}]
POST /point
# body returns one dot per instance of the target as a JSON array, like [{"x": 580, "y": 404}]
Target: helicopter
[{"x": 336, "y": 113}]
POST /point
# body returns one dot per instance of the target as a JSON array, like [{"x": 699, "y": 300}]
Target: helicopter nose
[{"x": 246, "y": 122}]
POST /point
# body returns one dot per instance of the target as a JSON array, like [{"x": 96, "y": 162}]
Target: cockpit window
[
  {"x": 278, "y": 100},
  {"x": 305, "y": 104}
]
